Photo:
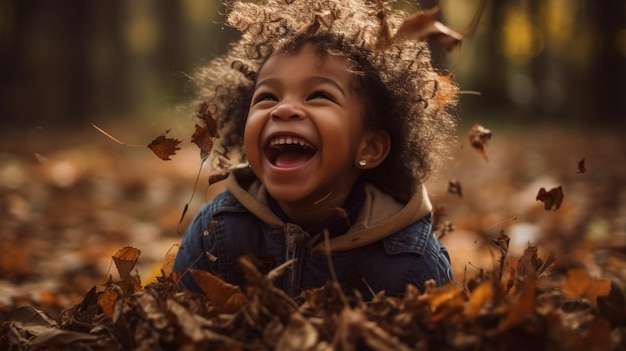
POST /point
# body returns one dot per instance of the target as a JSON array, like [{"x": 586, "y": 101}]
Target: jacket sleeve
[{"x": 194, "y": 250}]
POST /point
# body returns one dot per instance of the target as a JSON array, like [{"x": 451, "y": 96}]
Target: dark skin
[{"x": 306, "y": 101}]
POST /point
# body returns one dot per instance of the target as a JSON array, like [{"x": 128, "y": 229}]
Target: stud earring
[{"x": 362, "y": 163}]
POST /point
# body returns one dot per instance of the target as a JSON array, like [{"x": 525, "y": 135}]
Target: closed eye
[
  {"x": 321, "y": 95},
  {"x": 264, "y": 97}
]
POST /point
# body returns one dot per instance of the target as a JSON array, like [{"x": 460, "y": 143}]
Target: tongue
[{"x": 291, "y": 159}]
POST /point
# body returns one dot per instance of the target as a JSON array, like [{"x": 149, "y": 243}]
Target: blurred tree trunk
[{"x": 608, "y": 74}]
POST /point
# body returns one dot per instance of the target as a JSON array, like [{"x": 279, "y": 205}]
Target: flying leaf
[
  {"x": 423, "y": 26},
  {"x": 164, "y": 147},
  {"x": 581, "y": 166},
  {"x": 205, "y": 132},
  {"x": 579, "y": 285},
  {"x": 552, "y": 198},
  {"x": 478, "y": 138}
]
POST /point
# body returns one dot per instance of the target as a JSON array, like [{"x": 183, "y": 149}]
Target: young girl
[{"x": 339, "y": 125}]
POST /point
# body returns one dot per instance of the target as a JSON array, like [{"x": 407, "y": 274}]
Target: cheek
[{"x": 251, "y": 136}]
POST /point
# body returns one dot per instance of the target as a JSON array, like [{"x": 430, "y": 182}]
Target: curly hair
[{"x": 406, "y": 96}]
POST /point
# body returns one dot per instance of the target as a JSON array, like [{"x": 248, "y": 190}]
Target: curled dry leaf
[
  {"x": 420, "y": 27},
  {"x": 551, "y": 199},
  {"x": 164, "y": 147},
  {"x": 226, "y": 298},
  {"x": 205, "y": 132},
  {"x": 478, "y": 138},
  {"x": 125, "y": 260}
]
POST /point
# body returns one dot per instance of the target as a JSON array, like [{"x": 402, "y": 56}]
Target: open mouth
[{"x": 289, "y": 151}]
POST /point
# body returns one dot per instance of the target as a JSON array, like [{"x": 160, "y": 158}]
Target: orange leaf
[
  {"x": 164, "y": 147},
  {"x": 523, "y": 307},
  {"x": 226, "y": 298},
  {"x": 206, "y": 132},
  {"x": 107, "y": 302},
  {"x": 552, "y": 198},
  {"x": 125, "y": 260},
  {"x": 480, "y": 297},
  {"x": 578, "y": 285},
  {"x": 478, "y": 138}
]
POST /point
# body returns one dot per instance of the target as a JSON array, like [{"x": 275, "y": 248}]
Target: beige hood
[{"x": 380, "y": 217}]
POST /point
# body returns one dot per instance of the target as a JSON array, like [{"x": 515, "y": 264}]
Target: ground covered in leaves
[{"x": 88, "y": 227}]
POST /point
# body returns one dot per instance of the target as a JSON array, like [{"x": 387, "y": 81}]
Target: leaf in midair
[
  {"x": 420, "y": 27},
  {"x": 205, "y": 132},
  {"x": 551, "y": 199},
  {"x": 478, "y": 138},
  {"x": 581, "y": 166},
  {"x": 164, "y": 147}
]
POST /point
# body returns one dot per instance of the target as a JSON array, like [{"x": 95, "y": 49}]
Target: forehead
[{"x": 306, "y": 60}]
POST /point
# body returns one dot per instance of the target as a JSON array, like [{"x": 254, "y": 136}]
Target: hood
[{"x": 380, "y": 217}]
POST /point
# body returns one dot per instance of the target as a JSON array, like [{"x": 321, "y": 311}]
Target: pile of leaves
[{"x": 533, "y": 307}]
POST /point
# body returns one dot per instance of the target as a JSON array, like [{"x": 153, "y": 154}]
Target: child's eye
[
  {"x": 321, "y": 95},
  {"x": 264, "y": 97}
]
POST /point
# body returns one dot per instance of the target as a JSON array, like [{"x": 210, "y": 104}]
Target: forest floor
[{"x": 68, "y": 203}]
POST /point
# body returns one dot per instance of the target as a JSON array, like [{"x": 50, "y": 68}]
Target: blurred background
[
  {"x": 547, "y": 77},
  {"x": 68, "y": 63}
]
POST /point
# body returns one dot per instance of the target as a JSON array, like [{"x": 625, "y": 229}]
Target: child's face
[{"x": 305, "y": 127}]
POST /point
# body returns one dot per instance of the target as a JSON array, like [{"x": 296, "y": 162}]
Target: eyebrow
[{"x": 314, "y": 80}]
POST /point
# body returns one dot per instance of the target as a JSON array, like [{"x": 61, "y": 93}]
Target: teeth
[{"x": 290, "y": 140}]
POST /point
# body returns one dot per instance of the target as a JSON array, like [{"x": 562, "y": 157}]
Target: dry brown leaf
[
  {"x": 205, "y": 133},
  {"x": 226, "y": 298},
  {"x": 164, "y": 147},
  {"x": 107, "y": 302},
  {"x": 125, "y": 260},
  {"x": 579, "y": 285},
  {"x": 478, "y": 138},
  {"x": 423, "y": 26},
  {"x": 551, "y": 199},
  {"x": 523, "y": 307},
  {"x": 479, "y": 299}
]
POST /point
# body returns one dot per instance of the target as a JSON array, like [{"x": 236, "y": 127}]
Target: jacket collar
[{"x": 380, "y": 216}]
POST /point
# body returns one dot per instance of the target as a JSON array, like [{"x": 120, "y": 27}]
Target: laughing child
[{"x": 339, "y": 123}]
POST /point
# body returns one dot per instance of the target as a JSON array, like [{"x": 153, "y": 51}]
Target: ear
[{"x": 374, "y": 148}]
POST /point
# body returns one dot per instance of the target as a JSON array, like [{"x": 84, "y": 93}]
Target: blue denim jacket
[{"x": 225, "y": 230}]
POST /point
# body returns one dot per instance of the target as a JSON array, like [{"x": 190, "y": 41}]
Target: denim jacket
[{"x": 389, "y": 246}]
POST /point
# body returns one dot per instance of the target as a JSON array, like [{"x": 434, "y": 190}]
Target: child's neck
[{"x": 311, "y": 212}]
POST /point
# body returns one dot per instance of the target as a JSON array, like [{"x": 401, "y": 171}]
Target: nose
[{"x": 287, "y": 111}]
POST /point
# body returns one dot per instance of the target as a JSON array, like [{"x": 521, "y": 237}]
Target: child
[{"x": 339, "y": 126}]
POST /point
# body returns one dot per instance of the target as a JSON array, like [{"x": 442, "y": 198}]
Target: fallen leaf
[
  {"x": 478, "y": 138},
  {"x": 551, "y": 199},
  {"x": 579, "y": 285},
  {"x": 107, "y": 302},
  {"x": 226, "y": 298},
  {"x": 523, "y": 307},
  {"x": 125, "y": 260},
  {"x": 164, "y": 147}
]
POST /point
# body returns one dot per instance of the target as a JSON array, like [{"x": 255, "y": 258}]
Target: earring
[{"x": 362, "y": 163}]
